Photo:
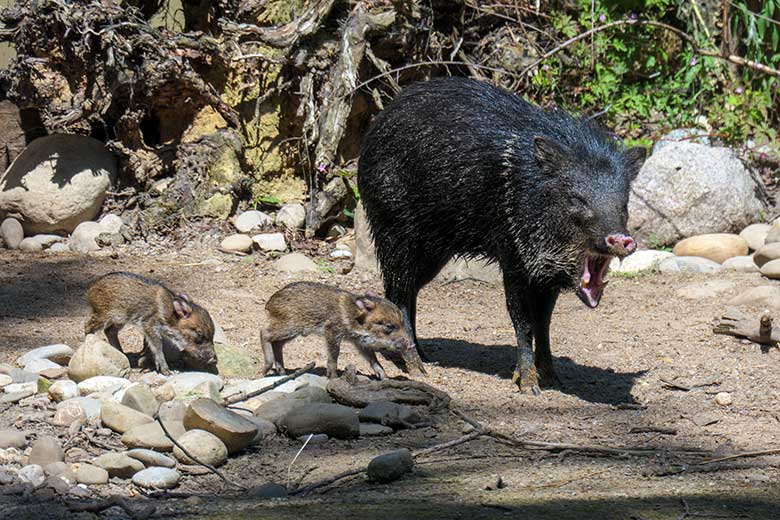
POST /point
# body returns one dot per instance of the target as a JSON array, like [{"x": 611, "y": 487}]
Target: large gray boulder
[
  {"x": 686, "y": 189},
  {"x": 57, "y": 182}
]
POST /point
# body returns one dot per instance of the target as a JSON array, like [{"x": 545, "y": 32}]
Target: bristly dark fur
[{"x": 457, "y": 167}]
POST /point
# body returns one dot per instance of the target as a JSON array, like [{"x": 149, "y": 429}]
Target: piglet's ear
[
  {"x": 364, "y": 307},
  {"x": 635, "y": 158},
  {"x": 549, "y": 155},
  {"x": 182, "y": 309}
]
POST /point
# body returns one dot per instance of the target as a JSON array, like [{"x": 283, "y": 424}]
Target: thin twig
[
  {"x": 747, "y": 454},
  {"x": 681, "y": 34},
  {"x": 243, "y": 396},
  {"x": 194, "y": 459}
]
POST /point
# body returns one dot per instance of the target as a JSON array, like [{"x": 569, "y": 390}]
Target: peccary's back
[{"x": 449, "y": 167}]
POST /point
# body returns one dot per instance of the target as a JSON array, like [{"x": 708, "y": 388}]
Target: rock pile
[{"x": 166, "y": 421}]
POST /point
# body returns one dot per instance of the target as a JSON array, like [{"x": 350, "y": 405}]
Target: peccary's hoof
[{"x": 526, "y": 381}]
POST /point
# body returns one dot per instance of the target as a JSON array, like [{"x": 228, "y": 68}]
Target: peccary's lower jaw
[{"x": 592, "y": 282}]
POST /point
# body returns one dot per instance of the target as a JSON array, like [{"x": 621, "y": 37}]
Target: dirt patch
[{"x": 613, "y": 363}]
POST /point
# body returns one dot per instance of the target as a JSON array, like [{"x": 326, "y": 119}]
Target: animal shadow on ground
[{"x": 592, "y": 384}]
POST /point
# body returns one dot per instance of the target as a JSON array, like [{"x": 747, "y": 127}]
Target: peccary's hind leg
[
  {"x": 515, "y": 288},
  {"x": 543, "y": 302}
]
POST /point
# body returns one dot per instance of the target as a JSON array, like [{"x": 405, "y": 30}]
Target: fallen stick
[
  {"x": 562, "y": 446},
  {"x": 188, "y": 454},
  {"x": 675, "y": 386},
  {"x": 747, "y": 454},
  {"x": 654, "y": 429},
  {"x": 322, "y": 483},
  {"x": 243, "y": 396},
  {"x": 760, "y": 331}
]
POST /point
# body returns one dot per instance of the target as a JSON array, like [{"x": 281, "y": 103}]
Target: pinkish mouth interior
[{"x": 592, "y": 281}]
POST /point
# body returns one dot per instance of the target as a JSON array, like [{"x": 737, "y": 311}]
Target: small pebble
[{"x": 723, "y": 398}]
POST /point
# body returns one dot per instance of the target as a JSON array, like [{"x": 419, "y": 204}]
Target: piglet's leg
[
  {"x": 268, "y": 353},
  {"x": 376, "y": 368},
  {"x": 278, "y": 351},
  {"x": 154, "y": 341},
  {"x": 333, "y": 345}
]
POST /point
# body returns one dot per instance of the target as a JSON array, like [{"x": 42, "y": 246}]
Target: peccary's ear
[
  {"x": 372, "y": 294},
  {"x": 635, "y": 158},
  {"x": 549, "y": 154},
  {"x": 185, "y": 297},
  {"x": 182, "y": 308}
]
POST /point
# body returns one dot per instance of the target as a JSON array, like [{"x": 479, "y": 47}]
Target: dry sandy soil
[{"x": 612, "y": 362}]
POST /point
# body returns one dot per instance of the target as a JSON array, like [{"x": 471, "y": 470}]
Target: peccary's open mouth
[{"x": 592, "y": 281}]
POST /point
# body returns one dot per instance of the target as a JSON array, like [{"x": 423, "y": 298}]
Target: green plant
[
  {"x": 325, "y": 266},
  {"x": 268, "y": 200},
  {"x": 650, "y": 81}
]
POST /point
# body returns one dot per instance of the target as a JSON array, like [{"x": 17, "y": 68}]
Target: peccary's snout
[{"x": 620, "y": 244}]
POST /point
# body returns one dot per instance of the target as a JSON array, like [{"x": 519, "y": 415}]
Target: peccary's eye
[
  {"x": 390, "y": 328},
  {"x": 577, "y": 200}
]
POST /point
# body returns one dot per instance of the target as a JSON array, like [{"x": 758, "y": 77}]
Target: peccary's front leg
[
  {"x": 154, "y": 341},
  {"x": 515, "y": 288},
  {"x": 542, "y": 303}
]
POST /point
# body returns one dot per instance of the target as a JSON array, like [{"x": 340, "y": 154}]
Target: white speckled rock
[
  {"x": 644, "y": 260},
  {"x": 63, "y": 390},
  {"x": 122, "y": 418},
  {"x": 90, "y": 406},
  {"x": 184, "y": 383},
  {"x": 251, "y": 220},
  {"x": 270, "y": 242},
  {"x": 118, "y": 464},
  {"x": 96, "y": 357},
  {"x": 89, "y": 474},
  {"x": 107, "y": 384},
  {"x": 764, "y": 296},
  {"x": 743, "y": 264},
  {"x": 203, "y": 445},
  {"x": 688, "y": 264},
  {"x": 771, "y": 269},
  {"x": 32, "y": 473},
  {"x": 157, "y": 478},
  {"x": 755, "y": 235},
  {"x": 237, "y": 243},
  {"x": 291, "y": 216},
  {"x": 151, "y": 458},
  {"x": 36, "y": 366},
  {"x": 12, "y": 233},
  {"x": 294, "y": 263},
  {"x": 40, "y": 242}
]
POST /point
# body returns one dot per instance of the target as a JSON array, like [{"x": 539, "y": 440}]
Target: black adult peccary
[{"x": 457, "y": 167}]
